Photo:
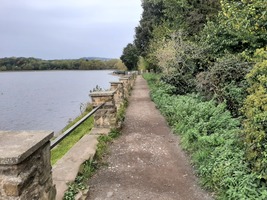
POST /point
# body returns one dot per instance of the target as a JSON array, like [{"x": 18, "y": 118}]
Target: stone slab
[
  {"x": 67, "y": 168},
  {"x": 100, "y": 131},
  {"x": 102, "y": 94},
  {"x": 116, "y": 82},
  {"x": 15, "y": 146},
  {"x": 124, "y": 78}
]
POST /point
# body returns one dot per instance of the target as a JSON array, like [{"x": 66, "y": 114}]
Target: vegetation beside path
[
  {"x": 212, "y": 137},
  {"x": 65, "y": 145}
]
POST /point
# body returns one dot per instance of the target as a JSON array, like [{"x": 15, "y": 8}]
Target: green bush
[
  {"x": 183, "y": 82},
  {"x": 212, "y": 137},
  {"x": 225, "y": 81},
  {"x": 255, "y": 111}
]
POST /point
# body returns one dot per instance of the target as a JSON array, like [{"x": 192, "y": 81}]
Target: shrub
[
  {"x": 225, "y": 81},
  {"x": 212, "y": 137},
  {"x": 255, "y": 111}
]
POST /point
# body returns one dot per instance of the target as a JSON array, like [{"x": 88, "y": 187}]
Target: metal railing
[{"x": 69, "y": 130}]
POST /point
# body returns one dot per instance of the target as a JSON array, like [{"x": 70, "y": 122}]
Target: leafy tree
[
  {"x": 241, "y": 26},
  {"x": 180, "y": 62},
  {"x": 120, "y": 65},
  {"x": 130, "y": 56},
  {"x": 142, "y": 64},
  {"x": 152, "y": 16},
  {"x": 190, "y": 15}
]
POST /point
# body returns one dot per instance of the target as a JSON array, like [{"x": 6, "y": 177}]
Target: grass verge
[{"x": 65, "y": 145}]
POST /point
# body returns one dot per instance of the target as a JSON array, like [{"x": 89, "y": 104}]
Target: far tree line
[{"x": 24, "y": 64}]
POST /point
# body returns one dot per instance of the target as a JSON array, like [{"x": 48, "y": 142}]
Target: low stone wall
[
  {"x": 25, "y": 167},
  {"x": 113, "y": 98}
]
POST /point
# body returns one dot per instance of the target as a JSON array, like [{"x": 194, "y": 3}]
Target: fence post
[{"x": 25, "y": 169}]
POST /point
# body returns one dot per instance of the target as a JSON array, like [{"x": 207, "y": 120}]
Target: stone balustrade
[
  {"x": 113, "y": 98},
  {"x": 25, "y": 168}
]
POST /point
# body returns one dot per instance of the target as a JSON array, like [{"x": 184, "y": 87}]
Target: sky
[{"x": 67, "y": 29}]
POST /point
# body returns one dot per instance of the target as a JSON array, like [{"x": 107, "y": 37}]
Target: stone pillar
[
  {"x": 25, "y": 168},
  {"x": 106, "y": 116},
  {"x": 132, "y": 79},
  {"x": 118, "y": 96},
  {"x": 126, "y": 86}
]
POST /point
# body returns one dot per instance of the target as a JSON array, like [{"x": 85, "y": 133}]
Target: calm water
[{"x": 46, "y": 100}]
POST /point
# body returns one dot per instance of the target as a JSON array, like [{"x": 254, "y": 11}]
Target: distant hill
[{"x": 97, "y": 58}]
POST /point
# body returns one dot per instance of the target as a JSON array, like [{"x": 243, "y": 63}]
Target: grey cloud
[{"x": 51, "y": 31}]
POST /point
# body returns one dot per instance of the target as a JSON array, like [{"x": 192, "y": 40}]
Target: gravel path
[{"x": 146, "y": 161}]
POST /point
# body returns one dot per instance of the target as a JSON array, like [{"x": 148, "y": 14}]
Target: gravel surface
[{"x": 146, "y": 161}]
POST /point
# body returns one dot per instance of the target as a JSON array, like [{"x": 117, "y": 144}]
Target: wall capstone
[{"x": 25, "y": 169}]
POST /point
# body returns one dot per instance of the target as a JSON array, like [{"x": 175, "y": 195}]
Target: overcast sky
[{"x": 63, "y": 29}]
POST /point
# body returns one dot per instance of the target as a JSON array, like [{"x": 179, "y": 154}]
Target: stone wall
[
  {"x": 25, "y": 169},
  {"x": 113, "y": 98}
]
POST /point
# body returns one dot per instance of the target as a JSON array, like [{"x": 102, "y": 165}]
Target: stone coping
[
  {"x": 124, "y": 78},
  {"x": 15, "y": 146},
  {"x": 102, "y": 93},
  {"x": 116, "y": 82}
]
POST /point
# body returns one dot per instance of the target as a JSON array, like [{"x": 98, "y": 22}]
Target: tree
[
  {"x": 120, "y": 65},
  {"x": 152, "y": 16},
  {"x": 130, "y": 56},
  {"x": 240, "y": 26}
]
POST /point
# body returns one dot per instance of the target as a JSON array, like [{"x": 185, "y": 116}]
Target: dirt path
[{"x": 146, "y": 162}]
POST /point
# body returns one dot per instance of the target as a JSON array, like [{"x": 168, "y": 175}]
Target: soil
[{"x": 146, "y": 162}]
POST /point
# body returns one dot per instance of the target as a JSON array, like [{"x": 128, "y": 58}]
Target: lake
[{"x": 46, "y": 100}]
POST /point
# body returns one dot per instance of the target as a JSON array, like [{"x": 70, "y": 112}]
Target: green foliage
[
  {"x": 120, "y": 116},
  {"x": 130, "y": 57},
  {"x": 152, "y": 16},
  {"x": 183, "y": 83},
  {"x": 190, "y": 15},
  {"x": 80, "y": 183},
  {"x": 225, "y": 81},
  {"x": 142, "y": 64},
  {"x": 255, "y": 110},
  {"x": 212, "y": 137},
  {"x": 179, "y": 60},
  {"x": 240, "y": 26}
]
